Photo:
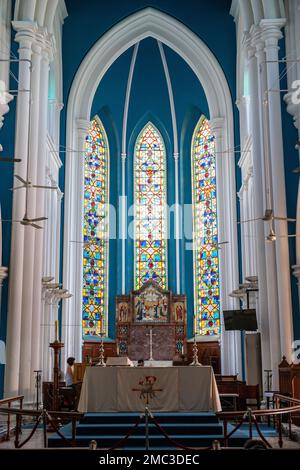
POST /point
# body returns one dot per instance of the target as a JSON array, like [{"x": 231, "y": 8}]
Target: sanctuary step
[{"x": 188, "y": 429}]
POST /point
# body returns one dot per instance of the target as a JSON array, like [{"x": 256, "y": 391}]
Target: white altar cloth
[{"x": 169, "y": 389}]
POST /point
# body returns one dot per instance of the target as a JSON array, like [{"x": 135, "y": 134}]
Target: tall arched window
[
  {"x": 206, "y": 260},
  {"x": 150, "y": 204},
  {"x": 95, "y": 232}
]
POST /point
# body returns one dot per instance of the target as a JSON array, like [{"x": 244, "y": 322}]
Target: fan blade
[
  {"x": 21, "y": 179},
  {"x": 43, "y": 187},
  {"x": 284, "y": 218},
  {"x": 249, "y": 220},
  {"x": 8, "y": 220},
  {"x": 10, "y": 160},
  {"x": 289, "y": 236},
  {"x": 36, "y": 226},
  {"x": 38, "y": 219}
]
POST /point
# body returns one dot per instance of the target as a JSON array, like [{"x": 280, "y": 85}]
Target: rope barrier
[
  {"x": 17, "y": 445},
  {"x": 55, "y": 427},
  {"x": 172, "y": 441},
  {"x": 130, "y": 433}
]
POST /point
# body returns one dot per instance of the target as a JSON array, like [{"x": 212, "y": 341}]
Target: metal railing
[
  {"x": 9, "y": 401},
  {"x": 46, "y": 418},
  {"x": 250, "y": 416}
]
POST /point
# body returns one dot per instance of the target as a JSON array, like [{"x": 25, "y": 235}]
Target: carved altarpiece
[{"x": 148, "y": 308}]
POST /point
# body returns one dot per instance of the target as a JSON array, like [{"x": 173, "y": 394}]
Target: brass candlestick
[
  {"x": 195, "y": 353},
  {"x": 101, "y": 362}
]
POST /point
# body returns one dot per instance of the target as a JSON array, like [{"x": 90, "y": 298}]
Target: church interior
[{"x": 149, "y": 224}]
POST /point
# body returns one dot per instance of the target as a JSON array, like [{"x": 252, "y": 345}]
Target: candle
[{"x": 56, "y": 330}]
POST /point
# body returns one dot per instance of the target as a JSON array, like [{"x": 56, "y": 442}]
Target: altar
[{"x": 188, "y": 389}]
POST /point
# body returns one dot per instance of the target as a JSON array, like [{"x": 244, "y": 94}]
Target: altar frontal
[{"x": 160, "y": 389}]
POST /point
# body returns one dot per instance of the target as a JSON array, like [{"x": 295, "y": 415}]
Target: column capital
[
  {"x": 296, "y": 272},
  {"x": 47, "y": 43},
  {"x": 271, "y": 30},
  {"x": 26, "y": 31},
  {"x": 59, "y": 105},
  {"x": 240, "y": 193},
  {"x": 176, "y": 156},
  {"x": 257, "y": 40},
  {"x": 60, "y": 194},
  {"x": 292, "y": 108},
  {"x": 3, "y": 273},
  {"x": 247, "y": 45},
  {"x": 123, "y": 156},
  {"x": 5, "y": 98}
]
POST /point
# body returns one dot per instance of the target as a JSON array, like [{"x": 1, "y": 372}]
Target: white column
[
  {"x": 3, "y": 275},
  {"x": 29, "y": 233},
  {"x": 177, "y": 223},
  {"x": 241, "y": 197},
  {"x": 5, "y": 38},
  {"x": 230, "y": 340},
  {"x": 270, "y": 255},
  {"x": 123, "y": 220},
  {"x": 40, "y": 206},
  {"x": 271, "y": 34},
  {"x": 47, "y": 334},
  {"x": 72, "y": 310},
  {"x": 263, "y": 318},
  {"x": 292, "y": 42},
  {"x": 25, "y": 34}
]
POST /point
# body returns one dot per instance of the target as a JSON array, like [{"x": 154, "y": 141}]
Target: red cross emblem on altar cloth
[{"x": 147, "y": 390}]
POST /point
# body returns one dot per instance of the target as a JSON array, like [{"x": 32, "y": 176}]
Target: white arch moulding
[{"x": 169, "y": 31}]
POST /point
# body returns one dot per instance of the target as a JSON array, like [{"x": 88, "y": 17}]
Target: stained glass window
[
  {"x": 150, "y": 205},
  {"x": 206, "y": 260},
  {"x": 95, "y": 236}
]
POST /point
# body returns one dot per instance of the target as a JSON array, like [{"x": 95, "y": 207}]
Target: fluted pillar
[
  {"x": 29, "y": 233},
  {"x": 270, "y": 255},
  {"x": 46, "y": 56},
  {"x": 47, "y": 334},
  {"x": 230, "y": 340},
  {"x": 292, "y": 36},
  {"x": 259, "y": 206},
  {"x": 72, "y": 312},
  {"x": 25, "y": 37},
  {"x": 271, "y": 34}
]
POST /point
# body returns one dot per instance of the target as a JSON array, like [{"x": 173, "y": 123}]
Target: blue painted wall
[
  {"x": 149, "y": 101},
  {"x": 291, "y": 160},
  {"x": 7, "y": 137}
]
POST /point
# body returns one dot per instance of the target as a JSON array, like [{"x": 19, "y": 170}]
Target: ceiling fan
[
  {"x": 26, "y": 220},
  {"x": 268, "y": 217},
  {"x": 28, "y": 184}
]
